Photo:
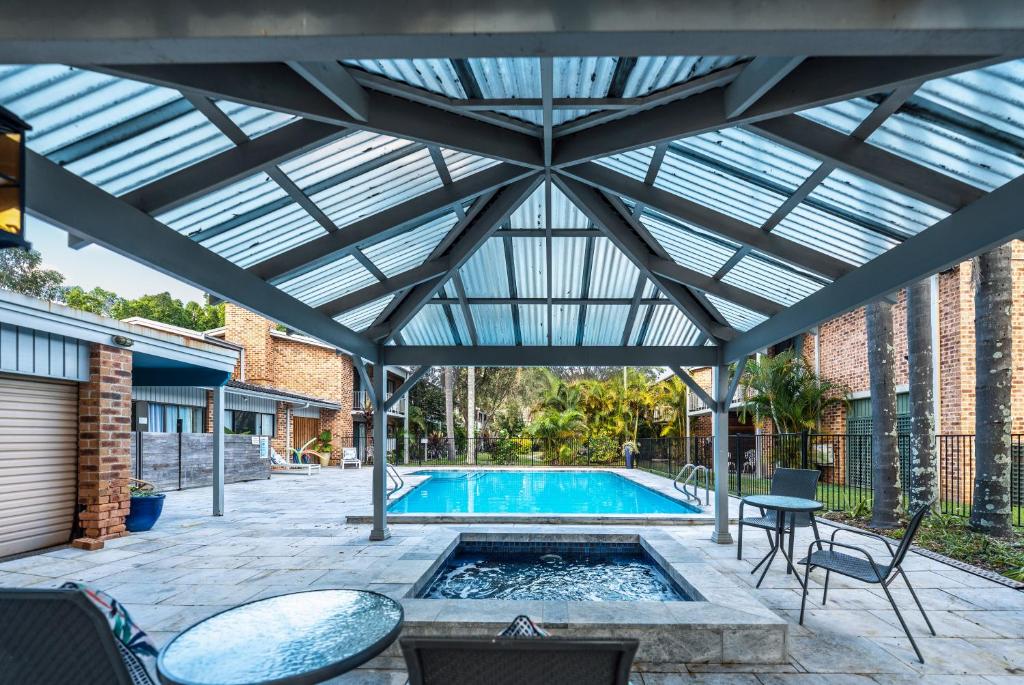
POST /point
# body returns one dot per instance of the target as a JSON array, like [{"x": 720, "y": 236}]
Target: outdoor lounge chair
[
  {"x": 279, "y": 464},
  {"x": 59, "y": 636},
  {"x": 790, "y": 483},
  {"x": 866, "y": 569},
  {"x": 349, "y": 457},
  {"x": 512, "y": 661}
]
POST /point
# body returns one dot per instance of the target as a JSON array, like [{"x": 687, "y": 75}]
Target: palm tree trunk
[
  {"x": 449, "y": 411},
  {"x": 885, "y": 479},
  {"x": 923, "y": 464},
  {"x": 470, "y": 415},
  {"x": 993, "y": 288}
]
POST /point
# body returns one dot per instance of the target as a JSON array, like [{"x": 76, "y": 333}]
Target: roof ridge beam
[
  {"x": 337, "y": 85},
  {"x": 79, "y": 207},
  {"x": 868, "y": 161},
  {"x": 276, "y": 87},
  {"x": 546, "y": 355},
  {"x": 387, "y": 223},
  {"x": 709, "y": 220},
  {"x": 975, "y": 229},
  {"x": 476, "y": 231}
]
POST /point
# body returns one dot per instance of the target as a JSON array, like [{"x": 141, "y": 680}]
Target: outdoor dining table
[
  {"x": 304, "y": 637},
  {"x": 782, "y": 506}
]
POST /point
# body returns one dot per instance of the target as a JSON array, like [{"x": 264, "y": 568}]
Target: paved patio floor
[{"x": 289, "y": 534}]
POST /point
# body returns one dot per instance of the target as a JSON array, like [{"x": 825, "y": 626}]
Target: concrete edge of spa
[
  {"x": 660, "y": 484},
  {"x": 725, "y": 625}
]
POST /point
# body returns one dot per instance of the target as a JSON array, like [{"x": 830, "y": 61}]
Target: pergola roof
[{"x": 683, "y": 208}]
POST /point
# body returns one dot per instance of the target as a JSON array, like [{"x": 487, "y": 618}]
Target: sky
[{"x": 94, "y": 266}]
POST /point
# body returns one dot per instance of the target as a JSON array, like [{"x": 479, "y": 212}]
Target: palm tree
[
  {"x": 885, "y": 477},
  {"x": 672, "y": 403},
  {"x": 923, "y": 466},
  {"x": 993, "y": 292},
  {"x": 562, "y": 427},
  {"x": 449, "y": 411},
  {"x": 785, "y": 389}
]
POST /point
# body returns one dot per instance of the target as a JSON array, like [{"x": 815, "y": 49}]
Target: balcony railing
[
  {"x": 360, "y": 398},
  {"x": 695, "y": 405}
]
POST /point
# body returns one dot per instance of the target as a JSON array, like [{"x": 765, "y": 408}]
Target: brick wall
[{"x": 104, "y": 435}]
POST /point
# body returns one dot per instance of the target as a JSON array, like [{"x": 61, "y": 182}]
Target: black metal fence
[{"x": 518, "y": 451}]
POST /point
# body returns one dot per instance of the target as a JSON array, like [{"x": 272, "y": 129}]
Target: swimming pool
[{"x": 533, "y": 492}]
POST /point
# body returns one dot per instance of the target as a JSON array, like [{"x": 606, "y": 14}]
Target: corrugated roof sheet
[
  {"x": 530, "y": 261},
  {"x": 669, "y": 326},
  {"x": 604, "y": 324},
  {"x": 430, "y": 326},
  {"x": 688, "y": 245},
  {"x": 410, "y": 249},
  {"x": 737, "y": 316},
  {"x": 762, "y": 276},
  {"x": 493, "y": 323},
  {"x": 329, "y": 281},
  {"x": 360, "y": 319},
  {"x": 532, "y": 213},
  {"x": 484, "y": 274},
  {"x": 612, "y": 273},
  {"x": 567, "y": 260},
  {"x": 652, "y": 74}
]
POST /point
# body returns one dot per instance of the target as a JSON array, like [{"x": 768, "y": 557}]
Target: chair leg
[
  {"x": 817, "y": 535},
  {"x": 902, "y": 622},
  {"x": 803, "y": 597},
  {"x": 917, "y": 601},
  {"x": 739, "y": 541},
  {"x": 824, "y": 595}
]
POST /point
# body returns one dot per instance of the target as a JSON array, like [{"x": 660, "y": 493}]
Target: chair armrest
[
  {"x": 865, "y": 533},
  {"x": 832, "y": 543}
]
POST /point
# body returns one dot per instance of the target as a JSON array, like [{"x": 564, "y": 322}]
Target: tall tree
[
  {"x": 784, "y": 388},
  {"x": 923, "y": 464},
  {"x": 449, "y": 411},
  {"x": 993, "y": 292},
  {"x": 22, "y": 271},
  {"x": 470, "y": 415},
  {"x": 885, "y": 462}
]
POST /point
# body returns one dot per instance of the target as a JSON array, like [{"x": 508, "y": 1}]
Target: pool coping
[
  {"x": 659, "y": 484},
  {"x": 723, "y": 623}
]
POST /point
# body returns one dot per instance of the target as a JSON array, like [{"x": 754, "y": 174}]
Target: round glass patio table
[
  {"x": 782, "y": 505},
  {"x": 305, "y": 637}
]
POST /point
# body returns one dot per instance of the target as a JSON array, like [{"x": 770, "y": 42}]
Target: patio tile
[
  {"x": 1009, "y": 624},
  {"x": 700, "y": 679},
  {"x": 990, "y": 598},
  {"x": 845, "y": 622},
  {"x": 939, "y": 600},
  {"x": 932, "y": 680},
  {"x": 831, "y": 653},
  {"x": 370, "y": 677},
  {"x": 946, "y": 623},
  {"x": 814, "y": 679},
  {"x": 946, "y": 656}
]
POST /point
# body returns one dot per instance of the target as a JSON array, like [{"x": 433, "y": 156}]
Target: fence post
[{"x": 805, "y": 439}]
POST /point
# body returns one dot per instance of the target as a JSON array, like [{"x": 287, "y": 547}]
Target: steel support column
[
  {"x": 720, "y": 439},
  {"x": 380, "y": 451},
  {"x": 218, "y": 451}
]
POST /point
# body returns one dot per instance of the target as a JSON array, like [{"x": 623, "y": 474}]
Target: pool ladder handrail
[
  {"x": 396, "y": 480},
  {"x": 691, "y": 471}
]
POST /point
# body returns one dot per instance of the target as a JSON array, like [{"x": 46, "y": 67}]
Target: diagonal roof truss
[{"x": 686, "y": 205}]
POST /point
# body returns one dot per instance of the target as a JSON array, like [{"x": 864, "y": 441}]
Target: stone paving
[{"x": 288, "y": 534}]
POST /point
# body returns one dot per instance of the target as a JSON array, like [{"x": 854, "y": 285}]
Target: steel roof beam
[
  {"x": 66, "y": 200},
  {"x": 554, "y": 300},
  {"x": 545, "y": 355},
  {"x": 477, "y": 230},
  {"x": 816, "y": 81},
  {"x": 276, "y": 87},
  {"x": 614, "y": 225},
  {"x": 707, "y": 284},
  {"x": 869, "y": 161},
  {"x": 634, "y": 306},
  {"x": 387, "y": 223},
  {"x": 756, "y": 79},
  {"x": 467, "y": 314},
  {"x": 710, "y": 220},
  {"x": 975, "y": 229},
  {"x": 337, "y": 85}
]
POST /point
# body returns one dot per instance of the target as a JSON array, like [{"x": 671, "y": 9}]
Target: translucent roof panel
[
  {"x": 530, "y": 267},
  {"x": 494, "y": 324},
  {"x": 612, "y": 273},
  {"x": 462, "y": 164},
  {"x": 761, "y": 276},
  {"x": 329, "y": 281},
  {"x": 843, "y": 116},
  {"x": 254, "y": 121},
  {"x": 707, "y": 183},
  {"x": 360, "y": 319},
  {"x": 532, "y": 213},
  {"x": 581, "y": 77},
  {"x": 434, "y": 75},
  {"x": 846, "y": 194},
  {"x": 485, "y": 273},
  {"x": 651, "y": 74},
  {"x": 689, "y": 246},
  {"x": 223, "y": 208},
  {"x": 568, "y": 256},
  {"x": 410, "y": 249},
  {"x": 346, "y": 157},
  {"x": 835, "y": 236},
  {"x": 993, "y": 96},
  {"x": 634, "y": 163},
  {"x": 430, "y": 326},
  {"x": 738, "y": 317},
  {"x": 604, "y": 324},
  {"x": 268, "y": 234},
  {"x": 667, "y": 325},
  {"x": 639, "y": 330},
  {"x": 564, "y": 324}
]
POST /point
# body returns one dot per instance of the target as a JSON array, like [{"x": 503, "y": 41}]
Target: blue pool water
[
  {"x": 533, "y": 492},
  {"x": 574, "y": 572}
]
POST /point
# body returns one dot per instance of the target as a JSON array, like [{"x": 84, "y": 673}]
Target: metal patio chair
[
  {"x": 59, "y": 636},
  {"x": 511, "y": 661},
  {"x": 866, "y": 569},
  {"x": 789, "y": 483}
]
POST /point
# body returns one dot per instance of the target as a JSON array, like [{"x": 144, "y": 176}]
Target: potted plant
[
  {"x": 145, "y": 508},
  {"x": 323, "y": 448}
]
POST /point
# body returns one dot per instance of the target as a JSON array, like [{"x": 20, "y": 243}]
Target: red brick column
[{"x": 104, "y": 457}]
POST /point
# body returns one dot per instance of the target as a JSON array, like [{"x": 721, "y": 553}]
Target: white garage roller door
[{"x": 38, "y": 462}]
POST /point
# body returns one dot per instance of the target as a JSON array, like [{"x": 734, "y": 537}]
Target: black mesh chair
[
  {"x": 788, "y": 483},
  {"x": 58, "y": 636},
  {"x": 512, "y": 661},
  {"x": 866, "y": 569}
]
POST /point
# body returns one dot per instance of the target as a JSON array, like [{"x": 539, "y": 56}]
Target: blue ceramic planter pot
[{"x": 144, "y": 513}]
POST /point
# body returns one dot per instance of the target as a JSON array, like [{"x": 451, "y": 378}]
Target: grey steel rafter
[
  {"x": 467, "y": 314},
  {"x": 79, "y": 207},
  {"x": 634, "y": 306},
  {"x": 756, "y": 79},
  {"x": 559, "y": 355},
  {"x": 693, "y": 385},
  {"x": 554, "y": 300},
  {"x": 337, "y": 85},
  {"x": 588, "y": 265},
  {"x": 481, "y": 227},
  {"x": 368, "y": 264},
  {"x": 510, "y": 275},
  {"x": 615, "y": 226}
]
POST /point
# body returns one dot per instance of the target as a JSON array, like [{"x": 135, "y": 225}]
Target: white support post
[
  {"x": 218, "y": 450},
  {"x": 380, "y": 473},
  {"x": 720, "y": 439}
]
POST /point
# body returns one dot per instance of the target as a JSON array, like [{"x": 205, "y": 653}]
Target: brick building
[{"x": 838, "y": 350}]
